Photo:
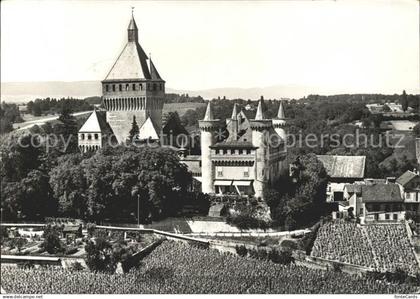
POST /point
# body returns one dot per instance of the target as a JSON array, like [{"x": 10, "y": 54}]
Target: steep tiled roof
[
  {"x": 381, "y": 193},
  {"x": 130, "y": 64},
  {"x": 406, "y": 177},
  {"x": 343, "y": 166},
  {"x": 154, "y": 74}
]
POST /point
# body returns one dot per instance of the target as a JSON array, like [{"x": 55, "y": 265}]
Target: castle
[{"x": 246, "y": 161}]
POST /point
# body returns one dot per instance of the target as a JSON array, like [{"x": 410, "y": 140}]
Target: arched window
[
  {"x": 120, "y": 87},
  {"x": 141, "y": 86},
  {"x": 161, "y": 86},
  {"x": 89, "y": 137},
  {"x": 96, "y": 136},
  {"x": 154, "y": 86},
  {"x": 113, "y": 87},
  {"x": 134, "y": 86},
  {"x": 82, "y": 136},
  {"x": 127, "y": 87},
  {"x": 107, "y": 87}
]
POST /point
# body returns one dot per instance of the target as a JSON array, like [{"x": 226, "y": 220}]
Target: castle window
[
  {"x": 120, "y": 87},
  {"x": 395, "y": 216},
  {"x": 141, "y": 86},
  {"x": 248, "y": 151},
  {"x": 89, "y": 136},
  {"x": 154, "y": 86},
  {"x": 96, "y": 136},
  {"x": 387, "y": 216},
  {"x": 113, "y": 87},
  {"x": 219, "y": 171},
  {"x": 127, "y": 87},
  {"x": 246, "y": 172},
  {"x": 161, "y": 86},
  {"x": 134, "y": 86},
  {"x": 107, "y": 87},
  {"x": 82, "y": 136}
]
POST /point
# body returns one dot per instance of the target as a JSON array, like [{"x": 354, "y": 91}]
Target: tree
[
  {"x": 36, "y": 196},
  {"x": 68, "y": 184},
  {"x": 134, "y": 131},
  {"x": 100, "y": 257},
  {"x": 416, "y": 130},
  {"x": 404, "y": 101},
  {"x": 66, "y": 131},
  {"x": 18, "y": 156},
  {"x": 52, "y": 243},
  {"x": 112, "y": 174}
]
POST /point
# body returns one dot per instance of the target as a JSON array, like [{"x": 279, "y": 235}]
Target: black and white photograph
[{"x": 210, "y": 147}]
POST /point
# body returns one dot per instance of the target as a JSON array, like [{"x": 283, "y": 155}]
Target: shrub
[
  {"x": 90, "y": 227},
  {"x": 289, "y": 244},
  {"x": 52, "y": 243},
  {"x": 71, "y": 250},
  {"x": 283, "y": 257},
  {"x": 77, "y": 266},
  {"x": 241, "y": 250},
  {"x": 26, "y": 265},
  {"x": 99, "y": 256}
]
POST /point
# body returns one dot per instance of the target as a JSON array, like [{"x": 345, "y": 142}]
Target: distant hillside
[{"x": 25, "y": 91}]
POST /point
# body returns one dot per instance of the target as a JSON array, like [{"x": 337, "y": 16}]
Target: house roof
[
  {"x": 343, "y": 166},
  {"x": 353, "y": 188},
  {"x": 94, "y": 124},
  {"x": 193, "y": 166},
  {"x": 381, "y": 193},
  {"x": 406, "y": 177}
]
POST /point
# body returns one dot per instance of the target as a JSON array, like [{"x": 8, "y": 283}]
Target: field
[
  {"x": 382, "y": 246},
  {"x": 178, "y": 268}
]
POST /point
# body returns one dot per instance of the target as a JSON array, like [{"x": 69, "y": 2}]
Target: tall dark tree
[
  {"x": 404, "y": 101},
  {"x": 134, "y": 131},
  {"x": 66, "y": 131}
]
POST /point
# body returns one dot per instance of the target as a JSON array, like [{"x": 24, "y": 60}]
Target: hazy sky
[{"x": 343, "y": 45}]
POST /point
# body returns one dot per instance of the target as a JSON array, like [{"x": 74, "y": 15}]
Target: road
[{"x": 40, "y": 121}]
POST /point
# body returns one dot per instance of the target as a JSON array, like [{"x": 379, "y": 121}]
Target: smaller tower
[
  {"x": 279, "y": 122},
  {"x": 208, "y": 127},
  {"x": 91, "y": 134},
  {"x": 260, "y": 127}
]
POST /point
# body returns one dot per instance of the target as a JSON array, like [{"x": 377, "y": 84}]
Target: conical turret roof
[
  {"x": 209, "y": 112},
  {"x": 280, "y": 113},
  {"x": 234, "y": 112},
  {"x": 260, "y": 115}
]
